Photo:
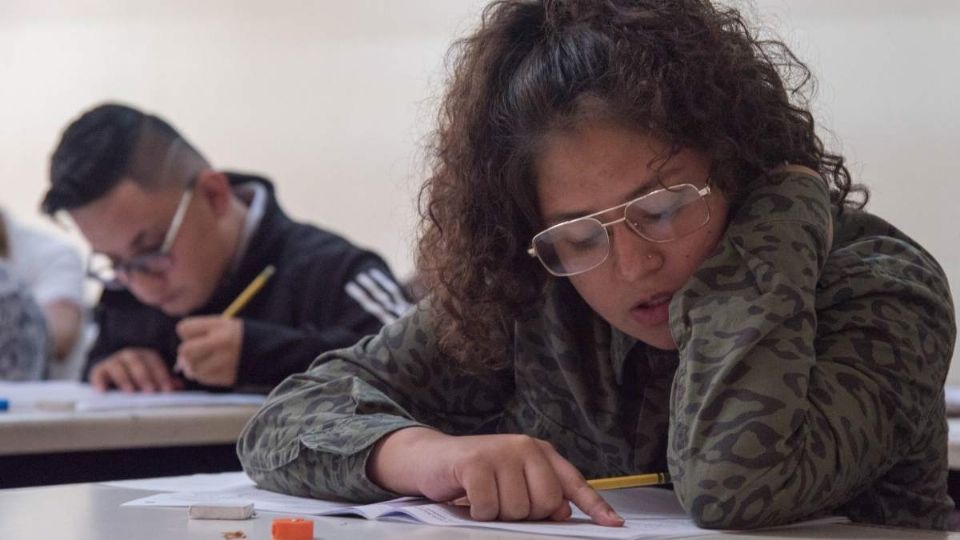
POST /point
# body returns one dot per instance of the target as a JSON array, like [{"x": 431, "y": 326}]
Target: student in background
[
  {"x": 175, "y": 241},
  {"x": 24, "y": 341},
  {"x": 52, "y": 270},
  {"x": 641, "y": 258}
]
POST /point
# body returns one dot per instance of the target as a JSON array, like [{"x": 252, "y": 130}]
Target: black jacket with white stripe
[{"x": 326, "y": 294}]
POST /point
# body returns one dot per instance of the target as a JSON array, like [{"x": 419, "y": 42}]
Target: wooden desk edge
[{"x": 35, "y": 433}]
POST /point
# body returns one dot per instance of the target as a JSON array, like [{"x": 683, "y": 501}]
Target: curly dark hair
[{"x": 691, "y": 73}]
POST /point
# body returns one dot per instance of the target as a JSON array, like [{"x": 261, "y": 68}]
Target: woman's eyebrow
[{"x": 650, "y": 184}]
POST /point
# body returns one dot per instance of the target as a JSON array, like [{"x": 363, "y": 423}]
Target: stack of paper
[
  {"x": 70, "y": 396},
  {"x": 649, "y": 512}
]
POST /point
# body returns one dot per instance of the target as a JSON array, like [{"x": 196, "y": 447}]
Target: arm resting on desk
[
  {"x": 810, "y": 381},
  {"x": 318, "y": 428}
]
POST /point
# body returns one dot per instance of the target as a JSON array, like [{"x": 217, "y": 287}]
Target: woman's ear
[{"x": 214, "y": 188}]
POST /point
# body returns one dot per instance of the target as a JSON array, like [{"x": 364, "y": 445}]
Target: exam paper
[
  {"x": 114, "y": 401},
  {"x": 71, "y": 395},
  {"x": 649, "y": 512},
  {"x": 25, "y": 395},
  {"x": 266, "y": 501},
  {"x": 188, "y": 483},
  {"x": 637, "y": 526}
]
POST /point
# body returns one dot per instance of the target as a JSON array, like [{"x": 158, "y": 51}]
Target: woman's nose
[{"x": 635, "y": 257}]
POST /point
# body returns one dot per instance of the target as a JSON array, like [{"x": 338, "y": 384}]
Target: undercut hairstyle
[
  {"x": 688, "y": 72},
  {"x": 111, "y": 143}
]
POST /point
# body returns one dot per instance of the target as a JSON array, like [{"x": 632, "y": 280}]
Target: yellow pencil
[
  {"x": 252, "y": 289},
  {"x": 238, "y": 302},
  {"x": 637, "y": 480}
]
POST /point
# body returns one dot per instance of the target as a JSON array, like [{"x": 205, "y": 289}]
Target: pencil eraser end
[
  {"x": 291, "y": 529},
  {"x": 221, "y": 511}
]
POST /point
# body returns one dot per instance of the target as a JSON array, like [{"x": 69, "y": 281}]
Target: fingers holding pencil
[
  {"x": 248, "y": 293},
  {"x": 210, "y": 346},
  {"x": 209, "y": 350}
]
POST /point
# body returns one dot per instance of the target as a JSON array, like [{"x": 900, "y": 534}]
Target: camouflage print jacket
[{"x": 808, "y": 380}]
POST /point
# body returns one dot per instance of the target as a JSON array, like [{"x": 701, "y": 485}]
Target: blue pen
[{"x": 4, "y": 404}]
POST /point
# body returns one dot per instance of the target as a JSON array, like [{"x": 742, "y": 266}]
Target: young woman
[{"x": 640, "y": 258}]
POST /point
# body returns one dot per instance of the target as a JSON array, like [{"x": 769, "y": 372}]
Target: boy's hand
[
  {"x": 134, "y": 370},
  {"x": 209, "y": 350}
]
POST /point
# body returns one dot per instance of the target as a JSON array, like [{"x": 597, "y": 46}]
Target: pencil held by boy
[{"x": 175, "y": 241}]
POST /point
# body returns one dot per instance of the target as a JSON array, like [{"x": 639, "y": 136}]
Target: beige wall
[
  {"x": 890, "y": 94},
  {"x": 332, "y": 99}
]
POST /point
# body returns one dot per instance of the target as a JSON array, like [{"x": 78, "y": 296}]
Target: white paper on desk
[
  {"x": 649, "y": 512},
  {"x": 25, "y": 395},
  {"x": 638, "y": 503},
  {"x": 72, "y": 395},
  {"x": 188, "y": 483},
  {"x": 263, "y": 501},
  {"x": 113, "y": 400},
  {"x": 407, "y": 509},
  {"x": 652, "y": 512},
  {"x": 445, "y": 515}
]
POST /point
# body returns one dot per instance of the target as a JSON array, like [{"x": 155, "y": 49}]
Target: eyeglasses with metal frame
[{"x": 582, "y": 244}]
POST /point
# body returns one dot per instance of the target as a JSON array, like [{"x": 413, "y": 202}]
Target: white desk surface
[
  {"x": 33, "y": 432},
  {"x": 93, "y": 512}
]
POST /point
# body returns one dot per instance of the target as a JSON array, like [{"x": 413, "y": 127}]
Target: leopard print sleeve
[
  {"x": 810, "y": 380},
  {"x": 24, "y": 341},
  {"x": 316, "y": 430}
]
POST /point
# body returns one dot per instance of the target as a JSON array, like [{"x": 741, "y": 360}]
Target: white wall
[
  {"x": 332, "y": 99},
  {"x": 890, "y": 95}
]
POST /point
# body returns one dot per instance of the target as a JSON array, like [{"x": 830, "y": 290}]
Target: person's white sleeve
[{"x": 49, "y": 265}]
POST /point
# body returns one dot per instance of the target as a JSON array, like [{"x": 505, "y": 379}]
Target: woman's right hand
[{"x": 505, "y": 477}]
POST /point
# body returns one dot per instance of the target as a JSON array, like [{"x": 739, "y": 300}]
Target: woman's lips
[{"x": 653, "y": 312}]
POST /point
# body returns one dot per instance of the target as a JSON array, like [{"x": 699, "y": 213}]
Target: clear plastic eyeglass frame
[{"x": 109, "y": 272}]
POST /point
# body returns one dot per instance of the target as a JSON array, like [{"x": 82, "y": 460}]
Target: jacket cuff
[
  {"x": 349, "y": 442},
  {"x": 329, "y": 460}
]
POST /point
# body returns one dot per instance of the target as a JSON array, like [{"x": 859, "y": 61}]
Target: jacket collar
[{"x": 265, "y": 245}]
